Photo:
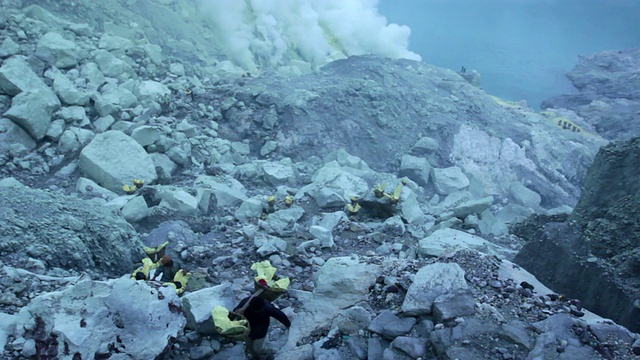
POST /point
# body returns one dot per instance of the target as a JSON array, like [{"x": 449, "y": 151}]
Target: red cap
[{"x": 263, "y": 282}]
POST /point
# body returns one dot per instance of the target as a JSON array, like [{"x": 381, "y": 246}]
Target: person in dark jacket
[
  {"x": 259, "y": 313},
  {"x": 168, "y": 268}
]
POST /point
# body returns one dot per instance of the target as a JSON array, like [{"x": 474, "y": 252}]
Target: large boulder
[
  {"x": 449, "y": 179},
  {"x": 16, "y": 76},
  {"x": 95, "y": 319},
  {"x": 416, "y": 169},
  {"x": 65, "y": 232},
  {"x": 113, "y": 159},
  {"x": 57, "y": 51},
  {"x": 33, "y": 110},
  {"x": 341, "y": 282},
  {"x": 444, "y": 240},
  {"x": 10, "y": 134},
  {"x": 430, "y": 282}
]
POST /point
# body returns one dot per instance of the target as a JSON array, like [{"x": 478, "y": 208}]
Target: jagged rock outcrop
[
  {"x": 594, "y": 253},
  {"x": 609, "y": 93},
  {"x": 65, "y": 232}
]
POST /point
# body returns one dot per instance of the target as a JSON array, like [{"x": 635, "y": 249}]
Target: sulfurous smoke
[{"x": 271, "y": 33}]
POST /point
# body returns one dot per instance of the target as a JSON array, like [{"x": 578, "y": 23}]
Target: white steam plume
[{"x": 257, "y": 33}]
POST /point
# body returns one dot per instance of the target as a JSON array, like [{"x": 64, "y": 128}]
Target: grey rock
[
  {"x": 416, "y": 169},
  {"x": 605, "y": 332},
  {"x": 352, "y": 320},
  {"x": 512, "y": 213},
  {"x": 74, "y": 114},
  {"x": 135, "y": 210},
  {"x": 516, "y": 331},
  {"x": 103, "y": 123},
  {"x": 16, "y": 76},
  {"x": 268, "y": 245},
  {"x": 412, "y": 346},
  {"x": 188, "y": 129},
  {"x": 335, "y": 178},
  {"x": 108, "y": 64},
  {"x": 154, "y": 53},
  {"x": 410, "y": 208},
  {"x": 180, "y": 201},
  {"x": 9, "y": 48},
  {"x": 491, "y": 224},
  {"x": 29, "y": 348},
  {"x": 443, "y": 240},
  {"x": 150, "y": 90},
  {"x": 524, "y": 196},
  {"x": 323, "y": 234},
  {"x": 145, "y": 135},
  {"x": 472, "y": 207},
  {"x": 199, "y": 304},
  {"x": 283, "y": 222},
  {"x": 89, "y": 187},
  {"x": 176, "y": 69},
  {"x": 425, "y": 146},
  {"x": 92, "y": 73},
  {"x": 280, "y": 173},
  {"x": 10, "y": 134},
  {"x": 449, "y": 306},
  {"x": 394, "y": 226},
  {"x": 226, "y": 190},
  {"x": 331, "y": 220},
  {"x": 393, "y": 354},
  {"x": 430, "y": 282},
  {"x": 249, "y": 209},
  {"x": 111, "y": 42},
  {"x": 164, "y": 166},
  {"x": 200, "y": 352},
  {"x": 358, "y": 347},
  {"x": 11, "y": 182},
  {"x": 235, "y": 352},
  {"x": 67, "y": 91},
  {"x": 37, "y": 12},
  {"x": 390, "y": 326},
  {"x": 57, "y": 51},
  {"x": 33, "y": 109},
  {"x": 375, "y": 348},
  {"x": 113, "y": 159},
  {"x": 344, "y": 280},
  {"x": 324, "y": 197},
  {"x": 268, "y": 147},
  {"x": 448, "y": 180}
]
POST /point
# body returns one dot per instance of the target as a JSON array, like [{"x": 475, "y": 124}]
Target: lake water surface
[{"x": 522, "y": 48}]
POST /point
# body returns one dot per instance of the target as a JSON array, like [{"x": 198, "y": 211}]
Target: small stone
[{"x": 636, "y": 347}]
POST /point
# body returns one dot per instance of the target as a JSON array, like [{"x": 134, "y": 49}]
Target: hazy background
[{"x": 522, "y": 48}]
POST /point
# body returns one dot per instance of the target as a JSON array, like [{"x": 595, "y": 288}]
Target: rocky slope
[{"x": 96, "y": 95}]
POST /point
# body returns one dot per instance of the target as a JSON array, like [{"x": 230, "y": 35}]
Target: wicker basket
[{"x": 267, "y": 293}]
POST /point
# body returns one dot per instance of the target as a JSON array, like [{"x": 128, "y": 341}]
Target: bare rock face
[
  {"x": 593, "y": 254},
  {"x": 65, "y": 232},
  {"x": 96, "y": 319}
]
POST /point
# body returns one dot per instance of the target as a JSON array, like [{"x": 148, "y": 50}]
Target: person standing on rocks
[{"x": 258, "y": 312}]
